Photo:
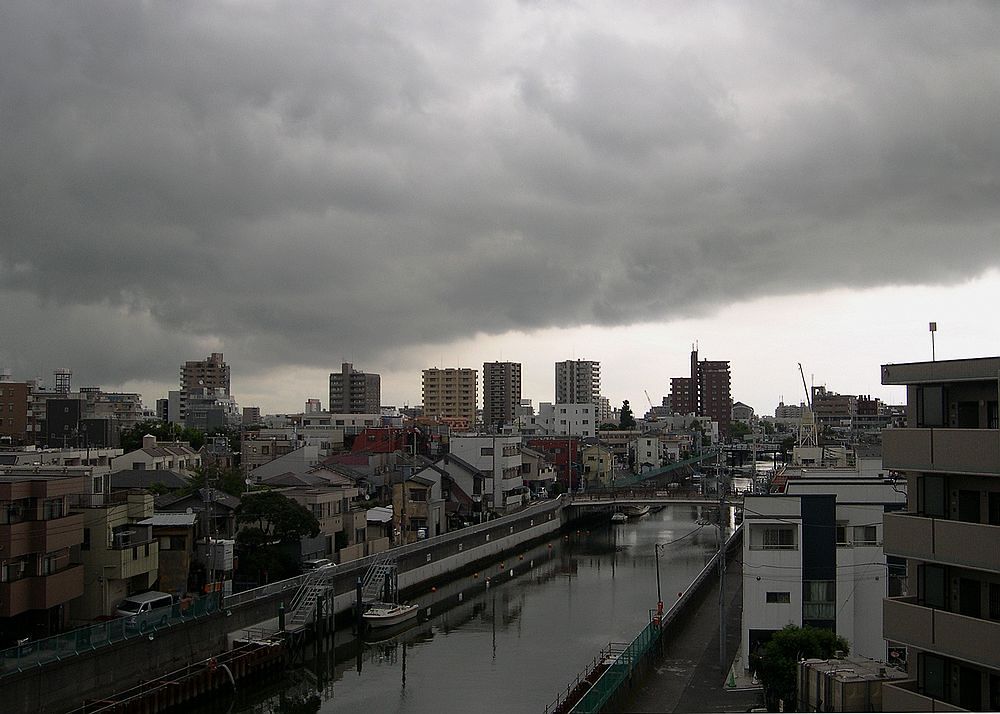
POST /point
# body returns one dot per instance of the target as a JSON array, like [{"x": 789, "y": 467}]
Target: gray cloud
[{"x": 293, "y": 182}]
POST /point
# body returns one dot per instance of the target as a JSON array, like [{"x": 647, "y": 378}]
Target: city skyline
[{"x": 534, "y": 183}]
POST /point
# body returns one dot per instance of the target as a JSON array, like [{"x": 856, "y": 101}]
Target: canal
[{"x": 509, "y": 637}]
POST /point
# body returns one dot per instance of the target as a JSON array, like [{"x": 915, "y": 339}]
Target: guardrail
[
  {"x": 595, "y": 686},
  {"x": 36, "y": 653}
]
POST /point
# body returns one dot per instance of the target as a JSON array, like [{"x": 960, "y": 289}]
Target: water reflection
[{"x": 511, "y": 635}]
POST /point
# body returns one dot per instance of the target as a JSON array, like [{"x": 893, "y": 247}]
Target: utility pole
[{"x": 722, "y": 570}]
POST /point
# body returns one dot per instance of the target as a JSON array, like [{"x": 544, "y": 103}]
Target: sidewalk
[{"x": 687, "y": 678}]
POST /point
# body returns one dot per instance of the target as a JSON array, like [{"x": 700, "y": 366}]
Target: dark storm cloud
[{"x": 294, "y": 181}]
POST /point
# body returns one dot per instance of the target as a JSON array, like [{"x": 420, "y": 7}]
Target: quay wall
[{"x": 66, "y": 684}]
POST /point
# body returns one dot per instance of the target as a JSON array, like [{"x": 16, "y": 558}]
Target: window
[
  {"x": 865, "y": 535},
  {"x": 933, "y": 496},
  {"x": 778, "y": 597},
  {"x": 932, "y": 586},
  {"x": 819, "y": 600},
  {"x": 773, "y": 538},
  {"x": 841, "y": 534},
  {"x": 419, "y": 494},
  {"x": 933, "y": 677},
  {"x": 930, "y": 406},
  {"x": 486, "y": 451},
  {"x": 85, "y": 545}
]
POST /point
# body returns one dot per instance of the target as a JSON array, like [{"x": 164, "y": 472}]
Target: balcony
[
  {"x": 17, "y": 539},
  {"x": 947, "y": 633},
  {"x": 129, "y": 561},
  {"x": 970, "y": 451},
  {"x": 905, "y": 697},
  {"x": 41, "y": 592},
  {"x": 944, "y": 541}
]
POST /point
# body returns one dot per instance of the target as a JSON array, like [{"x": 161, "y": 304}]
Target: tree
[
  {"x": 228, "y": 480},
  {"x": 738, "y": 429},
  {"x": 608, "y": 426},
  {"x": 271, "y": 523},
  {"x": 776, "y": 663},
  {"x": 626, "y": 420},
  {"x": 131, "y": 439}
]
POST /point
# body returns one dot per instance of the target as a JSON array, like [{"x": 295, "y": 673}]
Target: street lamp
[{"x": 659, "y": 596}]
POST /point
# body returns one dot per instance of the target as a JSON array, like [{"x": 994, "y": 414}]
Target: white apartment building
[
  {"x": 499, "y": 457},
  {"x": 813, "y": 556},
  {"x": 563, "y": 420}
]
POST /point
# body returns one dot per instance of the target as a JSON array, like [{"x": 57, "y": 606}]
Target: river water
[{"x": 512, "y": 645}]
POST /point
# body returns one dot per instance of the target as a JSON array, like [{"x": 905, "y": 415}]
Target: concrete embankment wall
[
  {"x": 673, "y": 621},
  {"x": 64, "y": 685}
]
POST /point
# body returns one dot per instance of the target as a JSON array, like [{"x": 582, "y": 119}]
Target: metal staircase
[
  {"x": 302, "y": 609},
  {"x": 374, "y": 581}
]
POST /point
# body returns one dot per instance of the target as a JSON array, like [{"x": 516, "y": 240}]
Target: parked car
[{"x": 145, "y": 610}]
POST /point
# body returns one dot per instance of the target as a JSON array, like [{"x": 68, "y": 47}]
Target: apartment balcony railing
[
  {"x": 966, "y": 638},
  {"x": 909, "y": 535},
  {"x": 17, "y": 539},
  {"x": 41, "y": 592},
  {"x": 971, "y": 451},
  {"x": 905, "y": 697}
]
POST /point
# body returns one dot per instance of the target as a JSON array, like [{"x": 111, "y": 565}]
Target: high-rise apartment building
[
  {"x": 578, "y": 382},
  {"x": 501, "y": 393},
  {"x": 355, "y": 392},
  {"x": 707, "y": 392},
  {"x": 211, "y": 373},
  {"x": 451, "y": 394},
  {"x": 949, "y": 622}
]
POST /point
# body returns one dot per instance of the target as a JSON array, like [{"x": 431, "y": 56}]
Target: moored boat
[
  {"x": 618, "y": 517},
  {"x": 635, "y": 511},
  {"x": 387, "y": 614}
]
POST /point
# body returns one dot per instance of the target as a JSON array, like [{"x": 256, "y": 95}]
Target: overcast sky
[{"x": 405, "y": 185}]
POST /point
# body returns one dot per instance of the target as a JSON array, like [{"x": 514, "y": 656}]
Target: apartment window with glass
[
  {"x": 933, "y": 496},
  {"x": 819, "y": 600},
  {"x": 933, "y": 675},
  {"x": 841, "y": 534},
  {"x": 776, "y": 538},
  {"x": 932, "y": 586},
  {"x": 865, "y": 535},
  {"x": 418, "y": 495},
  {"x": 778, "y": 597}
]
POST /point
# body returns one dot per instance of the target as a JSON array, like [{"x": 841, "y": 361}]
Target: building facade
[
  {"x": 501, "y": 393},
  {"x": 949, "y": 452},
  {"x": 211, "y": 373},
  {"x": 355, "y": 392},
  {"x": 451, "y": 394},
  {"x": 578, "y": 382}
]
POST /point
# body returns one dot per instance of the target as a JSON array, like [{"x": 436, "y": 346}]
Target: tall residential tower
[
  {"x": 578, "y": 382},
  {"x": 501, "y": 393},
  {"x": 354, "y": 392}
]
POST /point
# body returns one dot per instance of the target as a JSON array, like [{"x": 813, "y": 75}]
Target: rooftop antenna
[{"x": 933, "y": 329}]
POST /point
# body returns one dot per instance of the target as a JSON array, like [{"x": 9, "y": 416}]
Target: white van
[{"x": 145, "y": 610}]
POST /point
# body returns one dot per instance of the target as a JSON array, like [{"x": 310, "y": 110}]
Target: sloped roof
[
  {"x": 170, "y": 519},
  {"x": 145, "y": 478}
]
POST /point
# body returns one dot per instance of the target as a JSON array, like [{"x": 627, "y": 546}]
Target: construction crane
[
  {"x": 652, "y": 414},
  {"x": 807, "y": 424}
]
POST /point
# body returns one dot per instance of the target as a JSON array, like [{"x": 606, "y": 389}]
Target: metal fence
[
  {"x": 36, "y": 653},
  {"x": 618, "y": 671}
]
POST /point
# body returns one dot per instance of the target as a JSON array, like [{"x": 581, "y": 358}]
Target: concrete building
[
  {"x": 119, "y": 556},
  {"x": 451, "y": 395},
  {"x": 501, "y": 393},
  {"x": 742, "y": 412},
  {"x": 15, "y": 412},
  {"x": 210, "y": 373},
  {"x": 420, "y": 507},
  {"x": 355, "y": 392},
  {"x": 564, "y": 420},
  {"x": 949, "y": 620},
  {"x": 39, "y": 577},
  {"x": 598, "y": 465},
  {"x": 852, "y": 684},
  {"x": 170, "y": 455},
  {"x": 499, "y": 458},
  {"x": 539, "y": 475},
  {"x": 815, "y": 557},
  {"x": 707, "y": 391},
  {"x": 578, "y": 382}
]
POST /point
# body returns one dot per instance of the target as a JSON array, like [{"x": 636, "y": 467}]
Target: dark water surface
[{"x": 512, "y": 646}]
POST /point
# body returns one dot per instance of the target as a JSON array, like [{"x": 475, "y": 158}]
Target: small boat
[
  {"x": 618, "y": 517},
  {"x": 387, "y": 614},
  {"x": 635, "y": 511}
]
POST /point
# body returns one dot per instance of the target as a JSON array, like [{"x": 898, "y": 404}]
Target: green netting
[
  {"x": 36, "y": 653},
  {"x": 602, "y": 690}
]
